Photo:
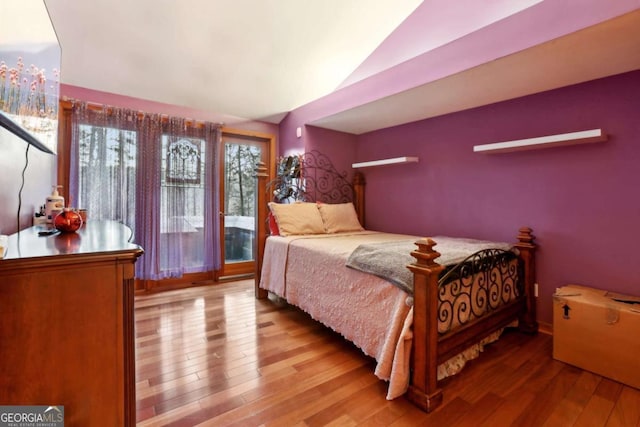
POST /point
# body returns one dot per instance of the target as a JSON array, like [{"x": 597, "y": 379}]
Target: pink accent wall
[{"x": 582, "y": 201}]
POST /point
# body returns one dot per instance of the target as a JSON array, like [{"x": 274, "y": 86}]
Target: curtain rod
[{"x": 68, "y": 103}]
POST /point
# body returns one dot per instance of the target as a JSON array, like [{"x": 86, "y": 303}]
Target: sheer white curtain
[{"x": 158, "y": 175}]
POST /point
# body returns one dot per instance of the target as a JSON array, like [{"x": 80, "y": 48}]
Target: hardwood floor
[{"x": 215, "y": 356}]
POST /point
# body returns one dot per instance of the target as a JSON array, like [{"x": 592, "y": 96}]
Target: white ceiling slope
[
  {"x": 609, "y": 48},
  {"x": 254, "y": 59},
  {"x": 259, "y": 59},
  {"x": 433, "y": 25}
]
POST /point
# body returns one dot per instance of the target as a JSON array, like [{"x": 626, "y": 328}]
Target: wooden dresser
[{"x": 66, "y": 323}]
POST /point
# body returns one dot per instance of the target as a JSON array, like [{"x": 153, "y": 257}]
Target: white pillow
[
  {"x": 339, "y": 217},
  {"x": 297, "y": 218}
]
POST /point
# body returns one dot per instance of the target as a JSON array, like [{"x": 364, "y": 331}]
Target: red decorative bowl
[{"x": 67, "y": 221}]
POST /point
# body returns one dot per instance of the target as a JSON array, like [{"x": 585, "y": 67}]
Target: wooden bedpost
[
  {"x": 423, "y": 389},
  {"x": 358, "y": 196},
  {"x": 527, "y": 248},
  {"x": 261, "y": 175}
]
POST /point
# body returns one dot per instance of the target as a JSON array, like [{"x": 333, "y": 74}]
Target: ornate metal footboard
[
  {"x": 477, "y": 286},
  {"x": 497, "y": 275}
]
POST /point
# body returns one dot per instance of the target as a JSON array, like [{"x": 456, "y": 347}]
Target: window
[
  {"x": 239, "y": 200},
  {"x": 155, "y": 174},
  {"x": 182, "y": 203},
  {"x": 107, "y": 173}
]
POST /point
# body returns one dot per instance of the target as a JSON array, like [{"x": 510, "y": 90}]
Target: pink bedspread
[
  {"x": 310, "y": 273},
  {"x": 365, "y": 309}
]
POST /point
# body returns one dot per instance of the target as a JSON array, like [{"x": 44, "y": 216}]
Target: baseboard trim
[{"x": 545, "y": 328}]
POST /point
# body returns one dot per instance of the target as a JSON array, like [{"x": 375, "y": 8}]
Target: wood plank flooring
[{"x": 215, "y": 356}]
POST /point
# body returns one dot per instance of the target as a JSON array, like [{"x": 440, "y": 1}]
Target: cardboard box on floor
[{"x": 596, "y": 333}]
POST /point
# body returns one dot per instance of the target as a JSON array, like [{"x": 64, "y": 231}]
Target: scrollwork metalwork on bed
[
  {"x": 310, "y": 177},
  {"x": 478, "y": 285}
]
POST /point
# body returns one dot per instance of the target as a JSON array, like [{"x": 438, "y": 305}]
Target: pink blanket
[{"x": 365, "y": 309}]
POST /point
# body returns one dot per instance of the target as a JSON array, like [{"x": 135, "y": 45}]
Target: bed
[{"x": 426, "y": 312}]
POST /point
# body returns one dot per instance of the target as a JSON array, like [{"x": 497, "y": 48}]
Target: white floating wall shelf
[
  {"x": 572, "y": 138},
  {"x": 383, "y": 162}
]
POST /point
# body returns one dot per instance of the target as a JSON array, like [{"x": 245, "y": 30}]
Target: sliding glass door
[
  {"x": 238, "y": 200},
  {"x": 190, "y": 199}
]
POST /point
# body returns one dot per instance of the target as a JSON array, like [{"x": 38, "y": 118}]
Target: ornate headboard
[
  {"x": 312, "y": 177},
  {"x": 308, "y": 177}
]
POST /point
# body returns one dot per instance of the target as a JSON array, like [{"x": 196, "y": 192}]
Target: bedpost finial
[
  {"x": 425, "y": 254},
  {"x": 426, "y": 242},
  {"x": 525, "y": 235}
]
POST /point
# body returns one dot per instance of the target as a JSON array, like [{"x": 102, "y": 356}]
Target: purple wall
[
  {"x": 340, "y": 147},
  {"x": 581, "y": 201}
]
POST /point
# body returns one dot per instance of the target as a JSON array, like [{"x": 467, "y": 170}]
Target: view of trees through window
[
  {"x": 240, "y": 161},
  {"x": 239, "y": 200},
  {"x": 107, "y": 175},
  {"x": 107, "y": 188}
]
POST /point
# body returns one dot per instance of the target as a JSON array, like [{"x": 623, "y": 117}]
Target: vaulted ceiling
[
  {"x": 254, "y": 59},
  {"x": 259, "y": 59}
]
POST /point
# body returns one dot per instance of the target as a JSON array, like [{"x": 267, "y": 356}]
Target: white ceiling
[
  {"x": 259, "y": 59},
  {"x": 35, "y": 27},
  {"x": 255, "y": 59}
]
